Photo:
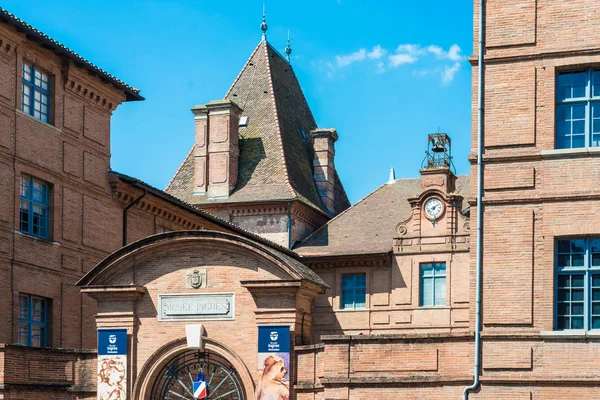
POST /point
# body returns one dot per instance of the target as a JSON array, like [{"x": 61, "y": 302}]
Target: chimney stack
[
  {"x": 216, "y": 150},
  {"x": 324, "y": 169}
]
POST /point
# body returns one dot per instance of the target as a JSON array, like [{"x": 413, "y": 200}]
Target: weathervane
[
  {"x": 288, "y": 49},
  {"x": 263, "y": 25}
]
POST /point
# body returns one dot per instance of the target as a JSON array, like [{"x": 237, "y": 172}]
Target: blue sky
[{"x": 383, "y": 73}]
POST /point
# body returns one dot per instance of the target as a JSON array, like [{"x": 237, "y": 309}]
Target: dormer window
[{"x": 36, "y": 92}]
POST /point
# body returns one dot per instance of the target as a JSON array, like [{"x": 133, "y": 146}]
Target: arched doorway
[{"x": 174, "y": 381}]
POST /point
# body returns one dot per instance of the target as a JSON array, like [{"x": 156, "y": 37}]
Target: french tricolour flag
[{"x": 200, "y": 386}]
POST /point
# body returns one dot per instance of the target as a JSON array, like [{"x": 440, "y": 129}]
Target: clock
[{"x": 434, "y": 208}]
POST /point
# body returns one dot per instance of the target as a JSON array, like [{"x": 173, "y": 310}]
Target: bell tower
[{"x": 436, "y": 169}]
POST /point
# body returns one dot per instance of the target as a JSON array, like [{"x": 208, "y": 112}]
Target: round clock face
[{"x": 434, "y": 208}]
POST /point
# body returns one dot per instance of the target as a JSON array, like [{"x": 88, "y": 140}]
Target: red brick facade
[{"x": 394, "y": 346}]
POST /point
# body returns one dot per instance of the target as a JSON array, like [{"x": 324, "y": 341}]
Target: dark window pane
[
  {"x": 564, "y": 295},
  {"x": 576, "y": 322},
  {"x": 562, "y": 323},
  {"x": 596, "y": 294},
  {"x": 23, "y": 307},
  {"x": 595, "y": 308},
  {"x": 578, "y": 141},
  {"x": 577, "y": 294},
  {"x": 578, "y": 246},
  {"x": 361, "y": 280},
  {"x": 577, "y": 309},
  {"x": 24, "y": 216},
  {"x": 579, "y": 84},
  {"x": 564, "y": 260},
  {"x": 596, "y": 280},
  {"x": 22, "y": 335},
  {"x": 564, "y": 281},
  {"x": 564, "y": 246},
  {"x": 577, "y": 281},
  {"x": 595, "y": 322},
  {"x": 563, "y": 309},
  {"x": 596, "y": 83}
]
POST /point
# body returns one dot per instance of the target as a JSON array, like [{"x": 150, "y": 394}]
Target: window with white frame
[
  {"x": 354, "y": 291},
  {"x": 36, "y": 92},
  {"x": 35, "y": 207},
  {"x": 577, "y": 304},
  {"x": 33, "y": 321},
  {"x": 578, "y": 109},
  {"x": 433, "y": 284}
]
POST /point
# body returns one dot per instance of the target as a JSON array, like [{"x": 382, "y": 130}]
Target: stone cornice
[
  {"x": 474, "y": 59},
  {"x": 308, "y": 215},
  {"x": 114, "y": 293},
  {"x": 264, "y": 209},
  {"x": 298, "y": 210},
  {"x": 80, "y": 85},
  {"x": 348, "y": 260},
  {"x": 125, "y": 195},
  {"x": 273, "y": 287},
  {"x": 538, "y": 199}
]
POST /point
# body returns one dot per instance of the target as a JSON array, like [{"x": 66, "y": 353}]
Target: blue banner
[
  {"x": 273, "y": 362},
  {"x": 273, "y": 339},
  {"x": 112, "y": 342}
]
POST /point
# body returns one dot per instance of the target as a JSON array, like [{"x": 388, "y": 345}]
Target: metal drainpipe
[
  {"x": 289, "y": 224},
  {"x": 480, "y": 63},
  {"x": 125, "y": 215}
]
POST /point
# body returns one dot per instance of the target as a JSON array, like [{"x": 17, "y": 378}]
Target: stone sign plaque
[{"x": 204, "y": 306}]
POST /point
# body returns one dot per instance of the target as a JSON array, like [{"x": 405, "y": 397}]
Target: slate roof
[
  {"x": 369, "y": 226},
  {"x": 46, "y": 41},
  {"x": 275, "y": 162},
  {"x": 190, "y": 208}
]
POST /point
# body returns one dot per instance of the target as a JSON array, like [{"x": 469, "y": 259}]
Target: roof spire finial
[
  {"x": 392, "y": 176},
  {"x": 263, "y": 25},
  {"x": 288, "y": 49}
]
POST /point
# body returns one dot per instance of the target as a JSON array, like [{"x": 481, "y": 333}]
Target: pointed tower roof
[{"x": 276, "y": 157}]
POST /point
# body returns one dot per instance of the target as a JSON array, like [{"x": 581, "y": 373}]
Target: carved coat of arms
[{"x": 196, "y": 279}]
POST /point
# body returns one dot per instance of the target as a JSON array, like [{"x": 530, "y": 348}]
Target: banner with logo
[
  {"x": 112, "y": 364},
  {"x": 273, "y": 362}
]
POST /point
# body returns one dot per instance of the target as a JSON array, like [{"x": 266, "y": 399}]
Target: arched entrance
[{"x": 175, "y": 379}]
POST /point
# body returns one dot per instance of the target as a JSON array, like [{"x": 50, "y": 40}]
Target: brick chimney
[
  {"x": 216, "y": 149},
  {"x": 324, "y": 169}
]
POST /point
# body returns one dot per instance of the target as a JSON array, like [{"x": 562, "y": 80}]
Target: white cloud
[
  {"x": 405, "y": 54},
  {"x": 449, "y": 73},
  {"x": 432, "y": 59},
  {"x": 453, "y": 53},
  {"x": 412, "y": 49},
  {"x": 436, "y": 50},
  {"x": 344, "y": 61},
  {"x": 399, "y": 59},
  {"x": 376, "y": 53}
]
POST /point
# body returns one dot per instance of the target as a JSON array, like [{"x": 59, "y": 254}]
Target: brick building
[
  {"x": 378, "y": 299},
  {"x": 259, "y": 160}
]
